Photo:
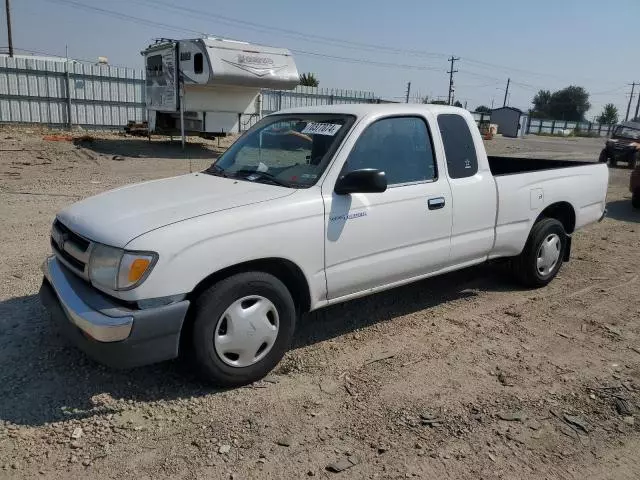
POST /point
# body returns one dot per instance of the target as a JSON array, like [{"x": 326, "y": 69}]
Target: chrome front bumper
[
  {"x": 106, "y": 330},
  {"x": 97, "y": 325}
]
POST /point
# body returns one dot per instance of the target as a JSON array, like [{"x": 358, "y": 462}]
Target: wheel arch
[
  {"x": 563, "y": 212},
  {"x": 284, "y": 270}
]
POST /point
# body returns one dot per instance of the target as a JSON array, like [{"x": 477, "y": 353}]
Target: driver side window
[{"x": 399, "y": 146}]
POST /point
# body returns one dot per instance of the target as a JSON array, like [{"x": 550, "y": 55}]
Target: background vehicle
[
  {"x": 220, "y": 264},
  {"x": 634, "y": 187},
  {"x": 623, "y": 146}
]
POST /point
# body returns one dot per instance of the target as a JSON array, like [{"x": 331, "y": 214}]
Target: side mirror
[{"x": 366, "y": 180}]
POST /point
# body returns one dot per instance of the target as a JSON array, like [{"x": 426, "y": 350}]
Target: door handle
[{"x": 436, "y": 203}]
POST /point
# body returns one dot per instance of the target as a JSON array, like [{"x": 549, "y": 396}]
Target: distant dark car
[
  {"x": 623, "y": 146},
  {"x": 634, "y": 187}
]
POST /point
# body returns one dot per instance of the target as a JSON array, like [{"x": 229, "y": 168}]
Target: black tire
[
  {"x": 634, "y": 161},
  {"x": 613, "y": 163},
  {"x": 212, "y": 304},
  {"x": 635, "y": 199},
  {"x": 603, "y": 156},
  {"x": 525, "y": 265}
]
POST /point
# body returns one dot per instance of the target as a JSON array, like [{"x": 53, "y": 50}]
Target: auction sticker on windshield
[{"x": 315, "y": 128}]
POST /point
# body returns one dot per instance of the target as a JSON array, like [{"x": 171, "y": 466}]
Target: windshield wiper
[
  {"x": 262, "y": 176},
  {"x": 217, "y": 171}
]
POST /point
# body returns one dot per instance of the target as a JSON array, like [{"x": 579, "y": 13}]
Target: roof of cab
[{"x": 364, "y": 109}]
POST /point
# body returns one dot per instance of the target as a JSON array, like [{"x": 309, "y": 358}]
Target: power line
[
  {"x": 452, "y": 59},
  {"x": 289, "y": 32},
  {"x": 363, "y": 61},
  {"x": 123, "y": 16}
]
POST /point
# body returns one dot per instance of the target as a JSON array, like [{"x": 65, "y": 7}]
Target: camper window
[{"x": 197, "y": 63}]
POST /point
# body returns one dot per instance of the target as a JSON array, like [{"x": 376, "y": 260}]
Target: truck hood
[{"x": 118, "y": 216}]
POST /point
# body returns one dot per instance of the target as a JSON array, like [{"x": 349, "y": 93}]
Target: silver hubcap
[
  {"x": 246, "y": 331},
  {"x": 548, "y": 254}
]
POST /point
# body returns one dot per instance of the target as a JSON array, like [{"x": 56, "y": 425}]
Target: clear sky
[{"x": 538, "y": 44}]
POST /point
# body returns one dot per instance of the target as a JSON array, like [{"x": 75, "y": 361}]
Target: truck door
[
  {"x": 473, "y": 188},
  {"x": 378, "y": 239}
]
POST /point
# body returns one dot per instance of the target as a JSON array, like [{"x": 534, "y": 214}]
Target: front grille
[
  {"x": 82, "y": 243},
  {"x": 71, "y": 249}
]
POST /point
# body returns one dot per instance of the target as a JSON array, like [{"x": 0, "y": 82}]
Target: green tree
[
  {"x": 541, "y": 104},
  {"x": 609, "y": 114},
  {"x": 483, "y": 109},
  {"x": 570, "y": 103},
  {"x": 309, "y": 80}
]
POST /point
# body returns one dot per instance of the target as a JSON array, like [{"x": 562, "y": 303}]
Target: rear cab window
[{"x": 459, "y": 148}]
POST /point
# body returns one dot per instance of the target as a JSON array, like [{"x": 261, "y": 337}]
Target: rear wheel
[
  {"x": 635, "y": 199},
  {"x": 543, "y": 254},
  {"x": 603, "y": 156},
  {"x": 243, "y": 327}
]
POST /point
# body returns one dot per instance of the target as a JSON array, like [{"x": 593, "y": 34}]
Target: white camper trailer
[{"x": 211, "y": 86}]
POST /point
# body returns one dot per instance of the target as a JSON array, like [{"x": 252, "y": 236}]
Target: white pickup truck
[{"x": 308, "y": 208}]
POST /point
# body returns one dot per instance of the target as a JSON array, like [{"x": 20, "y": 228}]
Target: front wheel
[
  {"x": 543, "y": 254},
  {"x": 603, "y": 156},
  {"x": 243, "y": 327}
]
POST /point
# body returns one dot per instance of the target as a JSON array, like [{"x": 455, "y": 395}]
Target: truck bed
[{"x": 513, "y": 165}]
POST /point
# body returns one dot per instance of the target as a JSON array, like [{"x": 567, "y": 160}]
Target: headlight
[{"x": 118, "y": 269}]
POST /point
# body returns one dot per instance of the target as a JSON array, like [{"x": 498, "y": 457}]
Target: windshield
[
  {"x": 626, "y": 132},
  {"x": 288, "y": 150}
]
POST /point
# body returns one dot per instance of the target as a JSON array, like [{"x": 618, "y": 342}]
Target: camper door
[{"x": 162, "y": 79}]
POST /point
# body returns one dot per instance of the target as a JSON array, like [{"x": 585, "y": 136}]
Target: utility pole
[
  {"x": 506, "y": 93},
  {"x": 408, "y": 92},
  {"x": 9, "y": 36},
  {"x": 633, "y": 87},
  {"x": 637, "y": 108},
  {"x": 451, "y": 72}
]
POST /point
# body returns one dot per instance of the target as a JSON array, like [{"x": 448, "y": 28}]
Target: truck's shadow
[
  {"x": 43, "y": 379},
  {"x": 623, "y": 211},
  {"x": 142, "y": 148}
]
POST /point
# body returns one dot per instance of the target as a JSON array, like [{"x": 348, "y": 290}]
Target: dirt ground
[{"x": 465, "y": 376}]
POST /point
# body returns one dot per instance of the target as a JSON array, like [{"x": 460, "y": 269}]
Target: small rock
[
  {"x": 629, "y": 420},
  {"x": 73, "y": 459},
  {"x": 77, "y": 433},
  {"x": 86, "y": 463},
  {"x": 502, "y": 378},
  {"x": 342, "y": 464},
  {"x": 311, "y": 473},
  {"x": 284, "y": 442},
  {"x": 224, "y": 449},
  {"x": 578, "y": 422},
  {"x": 329, "y": 387},
  {"x": 418, "y": 446},
  {"x": 622, "y": 406},
  {"x": 14, "y": 466},
  {"x": 262, "y": 460},
  {"x": 382, "y": 449},
  {"x": 534, "y": 425},
  {"x": 76, "y": 445},
  {"x": 491, "y": 457},
  {"x": 516, "y": 416}
]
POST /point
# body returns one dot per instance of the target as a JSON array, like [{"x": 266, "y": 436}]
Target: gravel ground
[{"x": 462, "y": 376}]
